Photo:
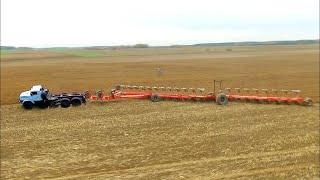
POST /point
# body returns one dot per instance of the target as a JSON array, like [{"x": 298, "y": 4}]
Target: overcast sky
[{"x": 47, "y": 23}]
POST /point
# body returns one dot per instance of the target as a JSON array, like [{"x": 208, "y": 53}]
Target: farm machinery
[
  {"x": 219, "y": 95},
  {"x": 38, "y": 96}
]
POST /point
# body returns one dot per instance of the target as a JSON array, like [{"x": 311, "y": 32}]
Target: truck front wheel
[{"x": 27, "y": 105}]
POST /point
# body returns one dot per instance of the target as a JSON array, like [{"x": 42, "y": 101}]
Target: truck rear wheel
[
  {"x": 65, "y": 103},
  {"x": 76, "y": 102},
  {"x": 222, "y": 99},
  {"x": 28, "y": 105}
]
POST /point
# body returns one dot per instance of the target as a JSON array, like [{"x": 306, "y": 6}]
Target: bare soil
[{"x": 164, "y": 140}]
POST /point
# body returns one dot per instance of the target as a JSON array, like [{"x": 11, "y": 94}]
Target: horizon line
[{"x": 169, "y": 45}]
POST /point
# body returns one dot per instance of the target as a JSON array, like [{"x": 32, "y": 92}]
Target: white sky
[{"x": 47, "y": 23}]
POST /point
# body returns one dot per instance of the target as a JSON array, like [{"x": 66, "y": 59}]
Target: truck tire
[
  {"x": 65, "y": 103},
  {"x": 155, "y": 98},
  {"x": 76, "y": 101},
  {"x": 27, "y": 105},
  {"x": 44, "y": 105},
  {"x": 54, "y": 104},
  {"x": 222, "y": 99}
]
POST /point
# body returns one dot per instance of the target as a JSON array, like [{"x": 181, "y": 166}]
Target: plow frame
[{"x": 118, "y": 94}]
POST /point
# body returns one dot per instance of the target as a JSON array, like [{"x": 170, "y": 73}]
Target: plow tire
[
  {"x": 118, "y": 87},
  {"x": 155, "y": 98},
  {"x": 307, "y": 102},
  {"x": 222, "y": 99}
]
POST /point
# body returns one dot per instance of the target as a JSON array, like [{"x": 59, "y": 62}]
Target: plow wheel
[
  {"x": 155, "y": 98},
  {"x": 112, "y": 91},
  {"x": 118, "y": 87},
  {"x": 99, "y": 94},
  {"x": 307, "y": 102},
  {"x": 222, "y": 99},
  {"x": 86, "y": 94}
]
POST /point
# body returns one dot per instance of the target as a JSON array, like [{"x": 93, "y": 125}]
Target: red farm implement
[{"x": 219, "y": 95}]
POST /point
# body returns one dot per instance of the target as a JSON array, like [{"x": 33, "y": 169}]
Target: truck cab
[
  {"x": 35, "y": 96},
  {"x": 39, "y": 96}
]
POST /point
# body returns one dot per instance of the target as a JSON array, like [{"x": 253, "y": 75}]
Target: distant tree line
[
  {"x": 141, "y": 46},
  {"x": 7, "y": 47}
]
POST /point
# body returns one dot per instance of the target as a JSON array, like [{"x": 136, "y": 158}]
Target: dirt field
[
  {"x": 161, "y": 140},
  {"x": 171, "y": 140},
  {"x": 288, "y": 67}
]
